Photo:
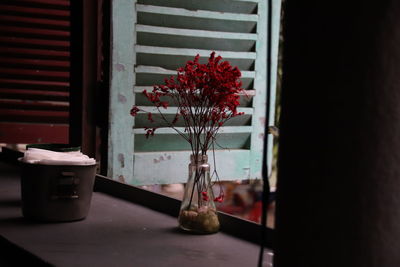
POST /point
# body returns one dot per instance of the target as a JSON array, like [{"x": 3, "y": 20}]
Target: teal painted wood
[
  {"x": 153, "y": 161},
  {"x": 172, "y": 166},
  {"x": 166, "y": 139},
  {"x": 196, "y": 14},
  {"x": 173, "y": 110},
  {"x": 173, "y": 58},
  {"x": 259, "y": 101},
  {"x": 141, "y": 100},
  {"x": 146, "y": 75},
  {"x": 234, "y": 6},
  {"x": 195, "y": 33},
  {"x": 192, "y": 52},
  {"x": 123, "y": 59},
  {"x": 197, "y": 19},
  {"x": 276, "y": 23}
]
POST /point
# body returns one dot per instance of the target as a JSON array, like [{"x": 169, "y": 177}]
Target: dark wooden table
[{"x": 115, "y": 233}]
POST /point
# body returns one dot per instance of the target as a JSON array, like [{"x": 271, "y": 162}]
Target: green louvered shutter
[{"x": 150, "y": 40}]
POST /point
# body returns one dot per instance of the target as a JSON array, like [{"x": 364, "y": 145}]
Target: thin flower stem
[{"x": 206, "y": 96}]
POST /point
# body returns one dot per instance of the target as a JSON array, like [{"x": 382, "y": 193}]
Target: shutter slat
[
  {"x": 35, "y": 22},
  {"x": 40, "y": 33},
  {"x": 141, "y": 100},
  {"x": 37, "y": 74},
  {"x": 34, "y": 11},
  {"x": 173, "y": 62},
  {"x": 141, "y": 120},
  {"x": 39, "y": 43},
  {"x": 224, "y": 129},
  {"x": 195, "y": 33},
  {"x": 33, "y": 105},
  {"x": 199, "y": 19},
  {"x": 184, "y": 38},
  {"x": 172, "y": 110},
  {"x": 159, "y": 70},
  {"x": 173, "y": 142},
  {"x": 34, "y": 63},
  {"x": 12, "y": 115},
  {"x": 149, "y": 75},
  {"x": 29, "y": 133},
  {"x": 192, "y": 52},
  {"x": 7, "y": 93},
  {"x": 195, "y": 14},
  {"x": 234, "y": 6},
  {"x": 34, "y": 53},
  {"x": 140, "y": 89},
  {"x": 32, "y": 84},
  {"x": 166, "y": 139},
  {"x": 52, "y": 3}
]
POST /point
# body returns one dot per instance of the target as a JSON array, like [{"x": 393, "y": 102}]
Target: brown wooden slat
[
  {"x": 29, "y": 42},
  {"x": 32, "y": 84},
  {"x": 14, "y": 115},
  {"x": 34, "y": 22},
  {"x": 33, "y": 94},
  {"x": 38, "y": 74},
  {"x": 45, "y": 12},
  {"x": 60, "y": 3},
  {"x": 37, "y": 53},
  {"x": 34, "y": 63},
  {"x": 27, "y": 133},
  {"x": 43, "y": 33},
  {"x": 33, "y": 105}
]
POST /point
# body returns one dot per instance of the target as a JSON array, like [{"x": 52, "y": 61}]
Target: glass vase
[{"x": 198, "y": 213}]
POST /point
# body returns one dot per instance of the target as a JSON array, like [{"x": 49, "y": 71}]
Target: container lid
[
  {"x": 55, "y": 147},
  {"x": 49, "y": 157}
]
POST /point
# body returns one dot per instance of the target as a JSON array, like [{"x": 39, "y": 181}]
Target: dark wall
[
  {"x": 34, "y": 71},
  {"x": 339, "y": 166}
]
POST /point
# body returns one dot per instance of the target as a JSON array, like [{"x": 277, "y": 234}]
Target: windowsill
[{"x": 121, "y": 233}]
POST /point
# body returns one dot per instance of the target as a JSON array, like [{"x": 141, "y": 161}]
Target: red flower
[
  {"x": 150, "y": 117},
  {"x": 164, "y": 104},
  {"x": 204, "y": 196},
  {"x": 134, "y": 110},
  {"x": 220, "y": 198},
  {"x": 150, "y": 131}
]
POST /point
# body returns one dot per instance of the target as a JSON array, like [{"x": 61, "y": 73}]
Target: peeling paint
[
  {"x": 121, "y": 179},
  {"x": 162, "y": 158},
  {"x": 262, "y": 121},
  {"x": 119, "y": 67},
  {"x": 121, "y": 159},
  {"x": 121, "y": 98}
]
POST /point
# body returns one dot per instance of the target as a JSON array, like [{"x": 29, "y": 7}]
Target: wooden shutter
[
  {"x": 34, "y": 71},
  {"x": 150, "y": 40}
]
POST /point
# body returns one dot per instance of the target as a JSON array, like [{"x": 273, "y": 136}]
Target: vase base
[
  {"x": 199, "y": 222},
  {"x": 196, "y": 232}
]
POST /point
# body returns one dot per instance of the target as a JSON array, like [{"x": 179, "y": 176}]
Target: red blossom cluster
[
  {"x": 204, "y": 196},
  {"x": 206, "y": 96},
  {"x": 220, "y": 198}
]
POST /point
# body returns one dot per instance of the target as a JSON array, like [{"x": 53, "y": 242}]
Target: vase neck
[{"x": 199, "y": 159}]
